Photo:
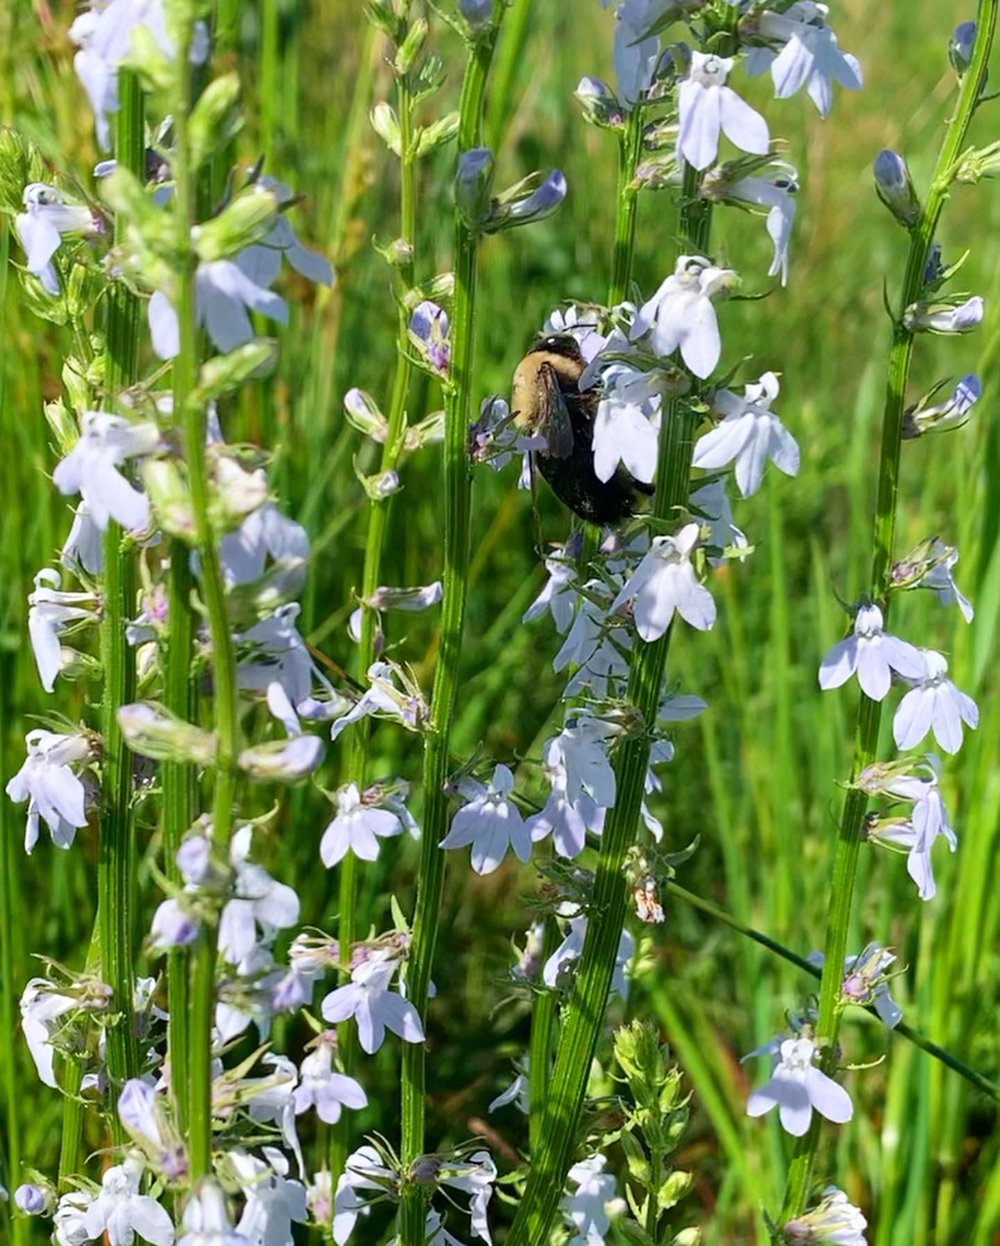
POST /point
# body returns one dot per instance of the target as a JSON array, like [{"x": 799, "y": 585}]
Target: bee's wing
[{"x": 557, "y": 428}]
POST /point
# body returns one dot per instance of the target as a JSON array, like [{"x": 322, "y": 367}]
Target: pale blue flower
[{"x": 707, "y": 107}]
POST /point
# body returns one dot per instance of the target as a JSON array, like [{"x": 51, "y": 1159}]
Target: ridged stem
[
  {"x": 115, "y": 862},
  {"x": 609, "y": 905},
  {"x": 629, "y": 150},
  {"x": 378, "y": 518},
  {"x": 869, "y": 712},
  {"x": 457, "y": 505},
  {"x": 192, "y": 425}
]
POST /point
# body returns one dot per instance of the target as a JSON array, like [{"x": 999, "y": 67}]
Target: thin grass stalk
[
  {"x": 457, "y": 505},
  {"x": 378, "y": 519},
  {"x": 115, "y": 863},
  {"x": 585, "y": 1014},
  {"x": 869, "y": 712},
  {"x": 192, "y": 420}
]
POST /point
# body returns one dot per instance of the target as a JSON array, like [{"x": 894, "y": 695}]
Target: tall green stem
[
  {"x": 378, "y": 518},
  {"x": 629, "y": 150},
  {"x": 115, "y": 872},
  {"x": 609, "y": 904},
  {"x": 869, "y": 712},
  {"x": 457, "y": 503},
  {"x": 192, "y": 421}
]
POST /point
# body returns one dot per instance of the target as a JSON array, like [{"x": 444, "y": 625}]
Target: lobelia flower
[
  {"x": 262, "y": 260},
  {"x": 265, "y": 536},
  {"x": 681, "y": 313},
  {"x": 665, "y": 581},
  {"x": 319, "y": 1197},
  {"x": 273, "y": 1201},
  {"x": 749, "y": 434},
  {"x": 49, "y": 783},
  {"x": 122, "y": 1212},
  {"x": 928, "y": 819},
  {"x": 566, "y": 818},
  {"x": 271, "y": 1100},
  {"x": 777, "y": 194},
  {"x": 245, "y": 995},
  {"x": 952, "y": 413},
  {"x": 473, "y": 1176},
  {"x": 627, "y": 423},
  {"x": 796, "y": 1087},
  {"x": 320, "y": 1087},
  {"x": 70, "y": 1219},
  {"x": 91, "y": 468},
  {"x": 597, "y": 645},
  {"x": 871, "y": 654},
  {"x": 104, "y": 35},
  {"x": 706, "y": 107},
  {"x": 516, "y": 1092},
  {"x": 365, "y": 1180},
  {"x": 581, "y": 748},
  {"x": 206, "y": 1220},
  {"x": 586, "y": 1208},
  {"x": 935, "y": 704},
  {"x": 635, "y": 57},
  {"x": 357, "y": 828},
  {"x": 428, "y": 332},
  {"x": 940, "y": 580},
  {"x": 386, "y": 697},
  {"x": 865, "y": 982},
  {"x": 84, "y": 548},
  {"x": 566, "y": 955},
  {"x": 50, "y": 613},
  {"x": 711, "y": 504},
  {"x": 491, "y": 823},
  {"x": 558, "y": 596},
  {"x": 944, "y": 316},
  {"x": 259, "y": 902},
  {"x": 224, "y": 297},
  {"x": 31, "y": 1199},
  {"x": 141, "y": 1111},
  {"x": 282, "y": 761},
  {"x": 835, "y": 1220},
  {"x": 373, "y": 1006},
  {"x": 47, "y": 219},
  {"x": 808, "y": 55},
  {"x": 42, "y": 1005}
]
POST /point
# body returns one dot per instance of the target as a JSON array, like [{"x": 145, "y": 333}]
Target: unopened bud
[
  {"x": 474, "y": 186},
  {"x": 364, "y": 414},
  {"x": 166, "y": 486},
  {"x": 153, "y": 731},
  {"x": 282, "y": 761},
  {"x": 944, "y": 316},
  {"x": 411, "y": 47},
  {"x": 960, "y": 46},
  {"x": 385, "y": 123},
  {"x": 895, "y": 188},
  {"x": 945, "y": 415},
  {"x": 477, "y": 14},
  {"x": 600, "y": 105}
]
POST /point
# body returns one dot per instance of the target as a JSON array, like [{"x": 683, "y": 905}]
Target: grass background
[{"x": 756, "y": 776}]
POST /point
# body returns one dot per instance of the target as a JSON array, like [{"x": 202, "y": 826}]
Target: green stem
[
  {"x": 192, "y": 420},
  {"x": 629, "y": 150},
  {"x": 869, "y": 712},
  {"x": 115, "y": 864},
  {"x": 378, "y": 519},
  {"x": 71, "y": 1137},
  {"x": 457, "y": 504},
  {"x": 543, "y": 1017},
  {"x": 609, "y": 904}
]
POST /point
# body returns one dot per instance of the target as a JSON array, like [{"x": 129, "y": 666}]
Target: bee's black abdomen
[{"x": 575, "y": 483}]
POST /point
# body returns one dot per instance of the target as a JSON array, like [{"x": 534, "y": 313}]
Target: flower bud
[
  {"x": 521, "y": 205},
  {"x": 364, "y": 414},
  {"x": 944, "y": 316},
  {"x": 895, "y": 188},
  {"x": 428, "y": 331},
  {"x": 406, "y": 599},
  {"x": 600, "y": 105},
  {"x": 474, "y": 186},
  {"x": 385, "y": 123},
  {"x": 960, "y": 46},
  {"x": 282, "y": 761},
  {"x": 166, "y": 486},
  {"x": 411, "y": 47},
  {"x": 431, "y": 137},
  {"x": 478, "y": 14},
  {"x": 946, "y": 415},
  {"x": 33, "y": 1200},
  {"x": 236, "y": 493},
  {"x": 153, "y": 731},
  {"x": 63, "y": 426},
  {"x": 834, "y": 1220},
  {"x": 241, "y": 223},
  {"x": 215, "y": 119}
]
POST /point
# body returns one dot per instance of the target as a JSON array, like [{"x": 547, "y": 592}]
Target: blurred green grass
[{"x": 756, "y": 777}]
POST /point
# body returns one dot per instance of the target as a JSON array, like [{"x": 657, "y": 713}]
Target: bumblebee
[{"x": 546, "y": 400}]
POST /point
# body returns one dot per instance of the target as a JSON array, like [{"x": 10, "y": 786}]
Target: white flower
[
  {"x": 750, "y": 433},
  {"x": 258, "y": 902},
  {"x": 357, "y": 828},
  {"x": 586, "y": 1207},
  {"x": 272, "y": 1200},
  {"x": 41, "y": 1007},
  {"x": 70, "y": 1220},
  {"x": 809, "y": 55},
  {"x": 104, "y": 36},
  {"x": 491, "y": 823},
  {"x": 566, "y": 819},
  {"x": 41, "y": 229},
  {"x": 627, "y": 424},
  {"x": 941, "y": 581},
  {"x": 49, "y": 783},
  {"x": 776, "y": 194},
  {"x": 706, "y": 106},
  {"x": 935, "y": 704},
  {"x": 796, "y": 1087},
  {"x": 581, "y": 750},
  {"x": 473, "y": 1176},
  {"x": 559, "y": 594},
  {"x": 569, "y": 951},
  {"x": 51, "y": 612},
  {"x": 635, "y": 58},
  {"x": 873, "y": 655},
  {"x": 265, "y": 535},
  {"x": 122, "y": 1212},
  {"x": 84, "y": 548},
  {"x": 91, "y": 468},
  {"x": 714, "y": 507},
  {"x": 206, "y": 1219},
  {"x": 364, "y": 1171},
  {"x": 386, "y": 697},
  {"x": 835, "y": 1220},
  {"x": 665, "y": 581},
  {"x": 373, "y": 1006},
  {"x": 681, "y": 314},
  {"x": 928, "y": 819},
  {"x": 320, "y": 1087},
  {"x": 141, "y": 1111}
]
